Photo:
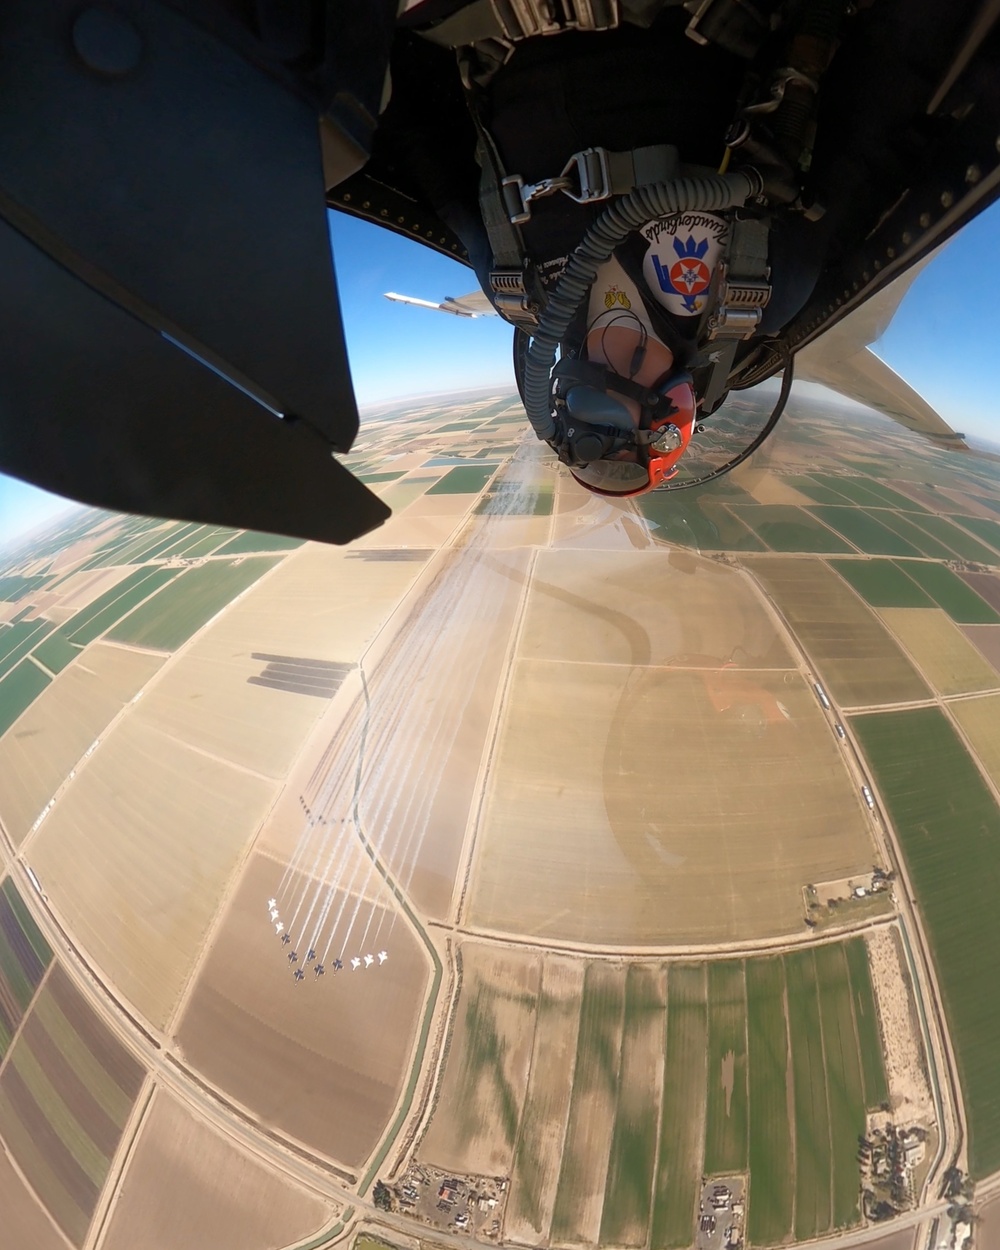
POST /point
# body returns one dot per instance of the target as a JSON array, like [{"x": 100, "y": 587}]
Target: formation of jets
[{"x": 319, "y": 969}]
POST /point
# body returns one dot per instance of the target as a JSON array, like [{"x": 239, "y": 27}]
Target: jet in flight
[
  {"x": 292, "y": 957},
  {"x": 311, "y": 955},
  {"x": 338, "y": 965},
  {"x": 319, "y": 970},
  {"x": 355, "y": 964},
  {"x": 271, "y": 904},
  {"x": 383, "y": 956},
  {"x": 279, "y": 927},
  {"x": 274, "y": 913},
  {"x": 759, "y": 202},
  {"x": 285, "y": 939},
  {"x": 298, "y": 974},
  {"x": 369, "y": 960}
]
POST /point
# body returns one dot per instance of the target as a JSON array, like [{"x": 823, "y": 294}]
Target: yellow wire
[{"x": 725, "y": 161}]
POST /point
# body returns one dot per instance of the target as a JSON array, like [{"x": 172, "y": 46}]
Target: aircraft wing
[
  {"x": 842, "y": 359},
  {"x": 475, "y": 304}
]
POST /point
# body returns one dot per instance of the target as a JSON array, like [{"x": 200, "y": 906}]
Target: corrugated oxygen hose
[{"x": 711, "y": 193}]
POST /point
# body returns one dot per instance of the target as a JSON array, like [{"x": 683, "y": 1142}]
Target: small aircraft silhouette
[
  {"x": 292, "y": 957},
  {"x": 338, "y": 965},
  {"x": 311, "y": 955},
  {"x": 274, "y": 913},
  {"x": 355, "y": 964},
  {"x": 319, "y": 970},
  {"x": 298, "y": 974},
  {"x": 271, "y": 902},
  {"x": 285, "y": 939},
  {"x": 369, "y": 960},
  {"x": 279, "y": 927},
  {"x": 383, "y": 956}
]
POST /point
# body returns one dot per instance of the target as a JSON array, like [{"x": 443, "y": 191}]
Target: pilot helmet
[{"x": 628, "y": 412}]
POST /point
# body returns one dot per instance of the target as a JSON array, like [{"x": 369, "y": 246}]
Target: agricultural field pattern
[{"x": 539, "y": 870}]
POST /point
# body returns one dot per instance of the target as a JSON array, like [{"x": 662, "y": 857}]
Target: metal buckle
[
  {"x": 523, "y": 19},
  {"x": 592, "y": 175},
  {"x": 740, "y": 307},
  {"x": 512, "y": 299},
  {"x": 518, "y": 194}
]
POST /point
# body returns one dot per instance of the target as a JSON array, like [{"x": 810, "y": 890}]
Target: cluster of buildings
[
  {"x": 889, "y": 1157},
  {"x": 721, "y": 1214},
  {"x": 465, "y": 1204}
]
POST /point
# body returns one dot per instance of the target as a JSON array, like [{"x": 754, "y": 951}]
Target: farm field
[
  {"x": 18, "y": 690},
  {"x": 538, "y": 1154},
  {"x": 956, "y": 538},
  {"x": 986, "y": 640},
  {"x": 845, "y": 1089},
  {"x": 584, "y": 1172},
  {"x": 476, "y": 1120},
  {"x": 66, "y": 1092},
  {"x": 987, "y": 529},
  {"x": 682, "y": 1110},
  {"x": 787, "y": 528},
  {"x": 858, "y": 660},
  {"x": 698, "y": 520},
  {"x": 169, "y": 619},
  {"x": 24, "y": 957},
  {"x": 579, "y": 852},
  {"x": 912, "y": 529},
  {"x": 770, "y": 1139},
  {"x": 726, "y": 1118},
  {"x": 867, "y": 1025},
  {"x": 813, "y": 1214},
  {"x": 625, "y": 1218},
  {"x": 137, "y": 854},
  {"x": 948, "y": 590},
  {"x": 62, "y": 722},
  {"x": 979, "y": 720},
  {"x": 642, "y": 608},
  {"x": 941, "y": 651},
  {"x": 948, "y": 824},
  {"x": 257, "y": 1035},
  {"x": 186, "y": 1177},
  {"x": 865, "y": 531},
  {"x": 252, "y": 541},
  {"x": 25, "y": 1222},
  {"x": 18, "y": 639},
  {"x": 464, "y": 480},
  {"x": 986, "y": 585},
  {"x": 56, "y": 652},
  {"x": 109, "y": 608},
  {"x": 882, "y": 583}
]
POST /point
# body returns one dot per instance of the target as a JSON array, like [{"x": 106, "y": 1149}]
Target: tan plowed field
[
  {"x": 137, "y": 855},
  {"x": 48, "y": 741},
  {"x": 647, "y": 607},
  {"x": 24, "y": 1222},
  {"x": 323, "y": 1060},
  {"x": 188, "y": 1186},
  {"x": 942, "y": 653},
  {"x": 475, "y": 1124},
  {"x": 661, "y": 806}
]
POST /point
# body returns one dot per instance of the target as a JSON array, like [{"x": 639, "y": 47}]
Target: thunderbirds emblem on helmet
[{"x": 682, "y": 255}]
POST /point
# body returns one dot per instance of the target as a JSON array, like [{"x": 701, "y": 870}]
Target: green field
[
  {"x": 865, "y": 531},
  {"x": 250, "y": 541},
  {"x": 675, "y": 1197},
  {"x": 56, "y": 652},
  {"x": 107, "y": 609},
  {"x": 14, "y": 587},
  {"x": 466, "y": 480},
  {"x": 819, "y": 492},
  {"x": 787, "y": 528},
  {"x": 18, "y": 690},
  {"x": 882, "y": 584},
  {"x": 948, "y": 591},
  {"x": 203, "y": 544},
  {"x": 866, "y": 1023},
  {"x": 695, "y": 519},
  {"x": 769, "y": 1217},
  {"x": 910, "y": 528},
  {"x": 726, "y": 1121},
  {"x": 988, "y": 531},
  {"x": 625, "y": 1219},
  {"x": 24, "y": 956},
  {"x": 812, "y": 1115},
  {"x": 957, "y": 540},
  {"x": 379, "y": 477},
  {"x": 17, "y": 640},
  {"x": 169, "y": 619},
  {"x": 845, "y": 1091},
  {"x": 162, "y": 542},
  {"x": 598, "y": 1058},
  {"x": 948, "y": 824}
]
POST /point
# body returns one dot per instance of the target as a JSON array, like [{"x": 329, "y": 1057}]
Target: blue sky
[{"x": 945, "y": 339}]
